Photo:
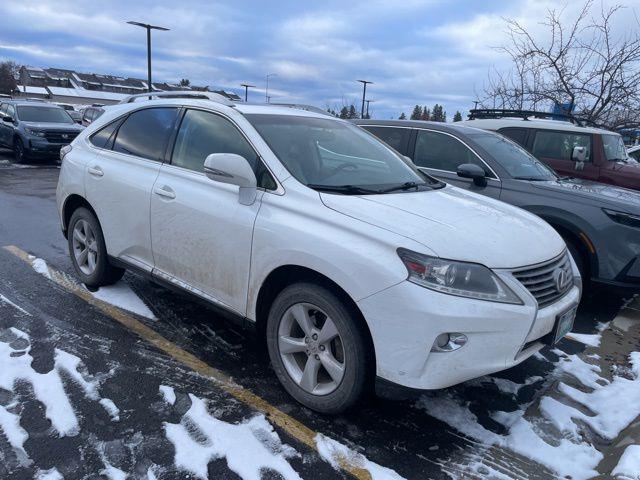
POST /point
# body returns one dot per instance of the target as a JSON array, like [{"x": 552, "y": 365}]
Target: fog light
[{"x": 448, "y": 342}]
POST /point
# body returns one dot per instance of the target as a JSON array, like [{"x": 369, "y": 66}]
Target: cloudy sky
[{"x": 415, "y": 51}]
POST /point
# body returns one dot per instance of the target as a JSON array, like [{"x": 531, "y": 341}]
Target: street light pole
[
  {"x": 246, "y": 90},
  {"x": 267, "y": 98},
  {"x": 148, "y": 28},
  {"x": 368, "y": 102},
  {"x": 364, "y": 94}
]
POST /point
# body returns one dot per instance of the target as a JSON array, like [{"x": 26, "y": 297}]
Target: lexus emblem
[
  {"x": 65, "y": 136},
  {"x": 561, "y": 279}
]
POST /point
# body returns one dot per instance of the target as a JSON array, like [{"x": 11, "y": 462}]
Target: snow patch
[
  {"x": 40, "y": 266},
  {"x": 628, "y": 467},
  {"x": 335, "y": 452},
  {"x": 51, "y": 474},
  {"x": 121, "y": 296},
  {"x": 5, "y": 300},
  {"x": 590, "y": 340},
  {"x": 16, "y": 435},
  {"x": 248, "y": 447},
  {"x": 168, "y": 394}
]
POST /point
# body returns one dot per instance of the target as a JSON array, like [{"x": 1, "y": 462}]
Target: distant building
[{"x": 68, "y": 86}]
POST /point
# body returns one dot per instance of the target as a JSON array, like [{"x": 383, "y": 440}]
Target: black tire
[
  {"x": 354, "y": 346},
  {"x": 104, "y": 273},
  {"x": 19, "y": 152}
]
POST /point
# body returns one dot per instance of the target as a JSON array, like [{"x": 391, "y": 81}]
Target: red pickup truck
[{"x": 571, "y": 150}]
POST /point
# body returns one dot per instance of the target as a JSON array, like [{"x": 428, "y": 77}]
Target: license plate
[{"x": 564, "y": 324}]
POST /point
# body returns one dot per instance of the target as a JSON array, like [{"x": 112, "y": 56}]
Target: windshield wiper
[
  {"x": 404, "y": 186},
  {"x": 346, "y": 189}
]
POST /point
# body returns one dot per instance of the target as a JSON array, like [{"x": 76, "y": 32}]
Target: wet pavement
[{"x": 399, "y": 435}]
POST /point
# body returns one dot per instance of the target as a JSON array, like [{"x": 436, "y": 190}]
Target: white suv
[{"x": 354, "y": 265}]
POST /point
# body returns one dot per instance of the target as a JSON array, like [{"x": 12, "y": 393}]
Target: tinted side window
[
  {"x": 203, "y": 133},
  {"x": 145, "y": 133},
  {"x": 518, "y": 135},
  {"x": 442, "y": 152},
  {"x": 3, "y": 109},
  {"x": 396, "y": 138},
  {"x": 559, "y": 145},
  {"x": 103, "y": 138}
]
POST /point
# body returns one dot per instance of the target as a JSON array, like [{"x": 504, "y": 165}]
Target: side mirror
[
  {"x": 474, "y": 172},
  {"x": 234, "y": 170},
  {"x": 7, "y": 118},
  {"x": 579, "y": 154}
]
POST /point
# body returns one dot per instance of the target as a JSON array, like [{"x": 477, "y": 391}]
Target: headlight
[
  {"x": 463, "y": 279},
  {"x": 35, "y": 133},
  {"x": 627, "y": 219}
]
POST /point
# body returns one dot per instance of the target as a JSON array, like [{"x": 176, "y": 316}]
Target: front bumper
[
  {"x": 405, "y": 320},
  {"x": 44, "y": 148}
]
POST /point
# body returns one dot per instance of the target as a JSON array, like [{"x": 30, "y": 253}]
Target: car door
[
  {"x": 7, "y": 127},
  {"x": 200, "y": 232},
  {"x": 3, "y": 128},
  {"x": 555, "y": 148},
  {"x": 440, "y": 154},
  {"x": 120, "y": 176}
]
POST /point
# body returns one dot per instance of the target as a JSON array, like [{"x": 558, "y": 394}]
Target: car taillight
[{"x": 64, "y": 150}]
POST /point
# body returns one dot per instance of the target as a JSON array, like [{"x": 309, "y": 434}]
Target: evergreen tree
[
  {"x": 438, "y": 114},
  {"x": 344, "y": 112},
  {"x": 352, "y": 112},
  {"x": 417, "y": 113},
  {"x": 184, "y": 82},
  {"x": 426, "y": 114},
  {"x": 457, "y": 117},
  {"x": 402, "y": 116}
]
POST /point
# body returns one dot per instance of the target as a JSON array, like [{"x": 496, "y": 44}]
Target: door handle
[
  {"x": 95, "y": 171},
  {"x": 164, "y": 191}
]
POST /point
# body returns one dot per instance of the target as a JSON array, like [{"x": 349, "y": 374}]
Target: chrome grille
[
  {"x": 57, "y": 136},
  {"x": 543, "y": 280}
]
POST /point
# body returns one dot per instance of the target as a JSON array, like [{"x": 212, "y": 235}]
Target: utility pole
[
  {"x": 364, "y": 94},
  {"x": 267, "y": 98},
  {"x": 367, "y": 111},
  {"x": 246, "y": 89},
  {"x": 148, "y": 28}
]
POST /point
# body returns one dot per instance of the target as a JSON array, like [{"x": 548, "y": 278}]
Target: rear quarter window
[{"x": 145, "y": 133}]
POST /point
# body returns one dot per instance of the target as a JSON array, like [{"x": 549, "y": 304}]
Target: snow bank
[
  {"x": 628, "y": 467},
  {"x": 248, "y": 447}
]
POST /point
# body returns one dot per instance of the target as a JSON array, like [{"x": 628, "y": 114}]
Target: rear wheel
[
  {"x": 88, "y": 251},
  {"x": 317, "y": 348}
]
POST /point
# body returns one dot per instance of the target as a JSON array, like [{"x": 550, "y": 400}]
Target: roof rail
[
  {"x": 215, "y": 97},
  {"x": 484, "y": 113},
  {"x": 302, "y": 106}
]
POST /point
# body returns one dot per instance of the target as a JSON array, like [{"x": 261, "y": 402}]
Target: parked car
[
  {"x": 599, "y": 223},
  {"x": 35, "y": 129},
  {"x": 352, "y": 262},
  {"x": 634, "y": 153},
  {"x": 91, "y": 114},
  {"x": 582, "y": 152},
  {"x": 73, "y": 113}
]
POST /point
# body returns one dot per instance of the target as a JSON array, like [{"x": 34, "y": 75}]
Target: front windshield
[
  {"x": 518, "y": 163},
  {"x": 27, "y": 113},
  {"x": 614, "y": 149},
  {"x": 323, "y": 152}
]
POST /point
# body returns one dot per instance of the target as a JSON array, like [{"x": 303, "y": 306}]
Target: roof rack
[
  {"x": 484, "y": 113},
  {"x": 301, "y": 106},
  {"x": 179, "y": 94}
]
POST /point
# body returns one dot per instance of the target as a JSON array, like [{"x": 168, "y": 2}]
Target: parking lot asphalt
[{"x": 129, "y": 369}]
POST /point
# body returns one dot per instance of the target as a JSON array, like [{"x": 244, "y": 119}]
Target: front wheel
[
  {"x": 88, "y": 251},
  {"x": 317, "y": 348},
  {"x": 19, "y": 151}
]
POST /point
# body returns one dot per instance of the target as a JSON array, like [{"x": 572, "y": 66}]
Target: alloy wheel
[
  {"x": 311, "y": 349},
  {"x": 85, "y": 247}
]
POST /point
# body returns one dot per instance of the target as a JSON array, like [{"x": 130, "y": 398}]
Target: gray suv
[
  {"x": 599, "y": 223},
  {"x": 35, "y": 129}
]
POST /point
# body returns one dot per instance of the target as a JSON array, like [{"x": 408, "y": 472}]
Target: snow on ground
[
  {"x": 168, "y": 394},
  {"x": 123, "y": 297},
  {"x": 569, "y": 452},
  {"x": 248, "y": 447},
  {"x": 51, "y": 474},
  {"x": 628, "y": 467},
  {"x": 119, "y": 295},
  {"x": 48, "y": 388},
  {"x": 335, "y": 452}
]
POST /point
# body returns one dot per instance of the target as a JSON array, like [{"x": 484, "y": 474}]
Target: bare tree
[
  {"x": 582, "y": 63},
  {"x": 8, "y": 72}
]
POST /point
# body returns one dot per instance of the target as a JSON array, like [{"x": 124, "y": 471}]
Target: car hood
[
  {"x": 601, "y": 193},
  {"x": 458, "y": 225},
  {"x": 53, "y": 126}
]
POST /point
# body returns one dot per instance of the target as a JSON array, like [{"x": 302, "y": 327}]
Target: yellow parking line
[{"x": 287, "y": 423}]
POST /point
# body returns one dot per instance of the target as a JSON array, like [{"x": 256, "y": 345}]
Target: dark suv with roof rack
[
  {"x": 35, "y": 129},
  {"x": 569, "y": 148}
]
